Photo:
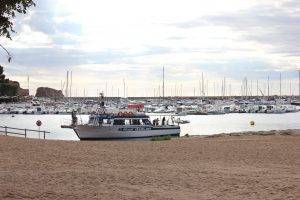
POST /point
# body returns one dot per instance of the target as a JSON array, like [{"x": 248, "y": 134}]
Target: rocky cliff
[
  {"x": 20, "y": 91},
  {"x": 48, "y": 92},
  {"x": 10, "y": 88}
]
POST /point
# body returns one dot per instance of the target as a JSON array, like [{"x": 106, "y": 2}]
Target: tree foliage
[{"x": 8, "y": 11}]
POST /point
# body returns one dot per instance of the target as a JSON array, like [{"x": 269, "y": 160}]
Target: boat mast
[
  {"x": 202, "y": 89},
  {"x": 67, "y": 85},
  {"x": 28, "y": 84},
  {"x": 268, "y": 86},
  {"x": 246, "y": 85},
  {"x": 206, "y": 86},
  {"x": 224, "y": 87},
  {"x": 163, "y": 81},
  {"x": 106, "y": 88},
  {"x": 257, "y": 88},
  {"x": 280, "y": 84},
  {"x": 299, "y": 84},
  {"x": 124, "y": 87},
  {"x": 251, "y": 88},
  {"x": 181, "y": 90},
  {"x": 290, "y": 88},
  {"x": 214, "y": 89},
  {"x": 71, "y": 84}
]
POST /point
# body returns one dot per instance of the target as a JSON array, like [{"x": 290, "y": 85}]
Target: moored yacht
[{"x": 122, "y": 125}]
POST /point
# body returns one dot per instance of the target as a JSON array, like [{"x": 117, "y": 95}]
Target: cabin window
[
  {"x": 146, "y": 122},
  {"x": 135, "y": 122},
  {"x": 119, "y": 122},
  {"x": 106, "y": 121}
]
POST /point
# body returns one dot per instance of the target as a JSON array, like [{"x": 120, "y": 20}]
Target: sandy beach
[{"x": 251, "y": 166}]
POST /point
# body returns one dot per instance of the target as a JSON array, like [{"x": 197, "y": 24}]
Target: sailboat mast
[
  {"x": 67, "y": 84},
  {"x": 299, "y": 84},
  {"x": 202, "y": 85},
  {"x": 28, "y": 84},
  {"x": 124, "y": 87},
  {"x": 181, "y": 90},
  {"x": 214, "y": 89},
  {"x": 257, "y": 88},
  {"x": 163, "y": 81},
  {"x": 224, "y": 87},
  {"x": 268, "y": 86},
  {"x": 106, "y": 89},
  {"x": 71, "y": 84},
  {"x": 246, "y": 82},
  {"x": 280, "y": 84},
  {"x": 290, "y": 88}
]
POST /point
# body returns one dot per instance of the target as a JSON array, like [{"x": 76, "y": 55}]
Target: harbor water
[{"x": 199, "y": 124}]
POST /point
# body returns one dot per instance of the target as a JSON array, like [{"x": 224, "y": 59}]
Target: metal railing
[{"x": 22, "y": 132}]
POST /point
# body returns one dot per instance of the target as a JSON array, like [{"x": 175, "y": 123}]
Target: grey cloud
[
  {"x": 275, "y": 26},
  {"x": 56, "y": 59},
  {"x": 42, "y": 20}
]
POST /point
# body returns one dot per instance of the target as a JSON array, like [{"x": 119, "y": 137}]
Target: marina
[
  {"x": 154, "y": 100},
  {"x": 199, "y": 124}
]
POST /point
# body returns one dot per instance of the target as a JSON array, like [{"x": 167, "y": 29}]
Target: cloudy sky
[{"x": 104, "y": 42}]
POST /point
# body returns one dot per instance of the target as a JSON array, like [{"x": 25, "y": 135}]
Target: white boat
[{"x": 122, "y": 125}]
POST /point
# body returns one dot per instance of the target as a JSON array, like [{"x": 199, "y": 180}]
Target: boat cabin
[{"x": 116, "y": 120}]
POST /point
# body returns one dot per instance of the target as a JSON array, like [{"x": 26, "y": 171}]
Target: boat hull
[{"x": 86, "y": 132}]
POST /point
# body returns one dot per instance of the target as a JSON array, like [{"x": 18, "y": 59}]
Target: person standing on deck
[{"x": 163, "y": 122}]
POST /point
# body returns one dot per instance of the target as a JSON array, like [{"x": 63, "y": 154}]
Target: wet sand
[{"x": 251, "y": 166}]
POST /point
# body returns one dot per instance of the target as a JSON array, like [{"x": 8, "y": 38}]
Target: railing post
[
  {"x": 25, "y": 133},
  {"x": 44, "y": 135},
  {"x": 5, "y": 130}
]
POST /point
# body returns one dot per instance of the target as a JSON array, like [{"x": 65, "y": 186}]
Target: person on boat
[
  {"x": 74, "y": 118},
  {"x": 154, "y": 122},
  {"x": 163, "y": 122}
]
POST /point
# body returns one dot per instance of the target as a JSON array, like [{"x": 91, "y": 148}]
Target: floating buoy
[
  {"x": 252, "y": 123},
  {"x": 38, "y": 123}
]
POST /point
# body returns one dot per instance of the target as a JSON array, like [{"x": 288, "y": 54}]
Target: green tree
[{"x": 8, "y": 11}]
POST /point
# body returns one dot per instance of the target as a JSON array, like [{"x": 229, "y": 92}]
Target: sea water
[{"x": 199, "y": 124}]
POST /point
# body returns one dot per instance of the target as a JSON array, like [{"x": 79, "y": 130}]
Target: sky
[{"x": 106, "y": 42}]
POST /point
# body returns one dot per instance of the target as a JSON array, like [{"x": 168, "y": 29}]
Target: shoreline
[
  {"x": 283, "y": 132},
  {"x": 252, "y": 133}
]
